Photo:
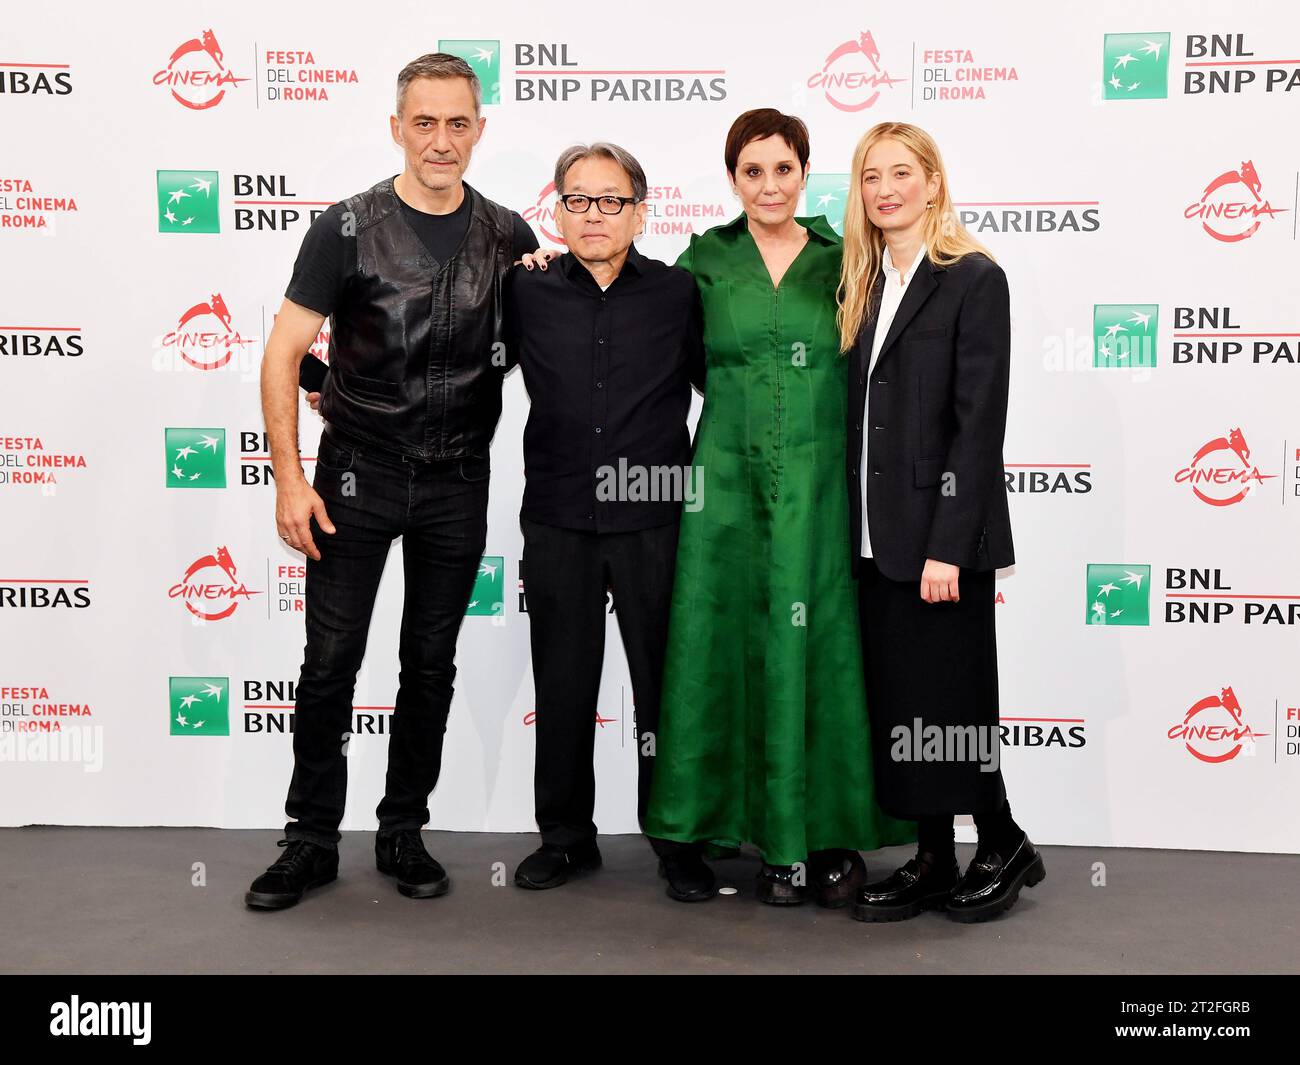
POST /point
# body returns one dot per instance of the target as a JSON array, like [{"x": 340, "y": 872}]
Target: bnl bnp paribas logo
[
  {"x": 827, "y": 194},
  {"x": 488, "y": 596},
  {"x": 1119, "y": 594},
  {"x": 187, "y": 201},
  {"x": 484, "y": 58},
  {"x": 1135, "y": 66},
  {"x": 1124, "y": 335},
  {"x": 199, "y": 706},
  {"x": 196, "y": 458}
]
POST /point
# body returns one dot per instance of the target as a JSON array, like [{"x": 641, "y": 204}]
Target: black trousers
[
  {"x": 936, "y": 662},
  {"x": 440, "y": 511},
  {"x": 566, "y": 575}
]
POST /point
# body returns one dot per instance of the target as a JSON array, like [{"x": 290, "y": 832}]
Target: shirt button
[
  {"x": 857, "y": 425},
  {"x": 877, "y": 427},
  {"x": 875, "y": 472},
  {"x": 598, "y": 428},
  {"x": 600, "y": 340},
  {"x": 600, "y": 384}
]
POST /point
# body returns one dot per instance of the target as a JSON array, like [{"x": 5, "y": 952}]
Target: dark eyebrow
[{"x": 434, "y": 118}]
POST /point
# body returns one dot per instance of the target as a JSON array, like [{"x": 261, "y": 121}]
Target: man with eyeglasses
[{"x": 609, "y": 343}]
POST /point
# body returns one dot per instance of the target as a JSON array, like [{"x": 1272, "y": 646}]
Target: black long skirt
[{"x": 937, "y": 662}]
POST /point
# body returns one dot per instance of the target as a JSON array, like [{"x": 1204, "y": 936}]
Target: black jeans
[
  {"x": 440, "y": 511},
  {"x": 566, "y": 574}
]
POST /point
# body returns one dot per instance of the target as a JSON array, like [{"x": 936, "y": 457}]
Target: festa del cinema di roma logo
[
  {"x": 197, "y": 74},
  {"x": 1214, "y": 730},
  {"x": 210, "y": 590},
  {"x": 205, "y": 337},
  {"x": 1228, "y": 482},
  {"x": 1223, "y": 210},
  {"x": 853, "y": 75}
]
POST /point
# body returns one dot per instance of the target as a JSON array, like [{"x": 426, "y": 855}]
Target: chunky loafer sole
[
  {"x": 898, "y": 911},
  {"x": 1033, "y": 874}
]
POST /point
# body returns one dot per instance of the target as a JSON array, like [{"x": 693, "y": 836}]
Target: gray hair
[
  {"x": 438, "y": 65},
  {"x": 601, "y": 150}
]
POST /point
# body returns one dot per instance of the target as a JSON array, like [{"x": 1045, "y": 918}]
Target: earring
[{"x": 929, "y": 205}]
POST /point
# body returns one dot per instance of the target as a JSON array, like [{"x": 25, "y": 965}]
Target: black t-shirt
[{"x": 327, "y": 258}]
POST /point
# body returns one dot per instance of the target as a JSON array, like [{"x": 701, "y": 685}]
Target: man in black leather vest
[{"x": 410, "y": 274}]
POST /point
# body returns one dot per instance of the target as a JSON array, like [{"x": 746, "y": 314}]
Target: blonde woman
[{"x": 924, "y": 321}]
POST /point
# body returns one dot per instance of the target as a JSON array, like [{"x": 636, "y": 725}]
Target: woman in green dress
[{"x": 763, "y": 734}]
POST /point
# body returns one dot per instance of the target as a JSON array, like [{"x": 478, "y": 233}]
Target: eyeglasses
[{"x": 604, "y": 204}]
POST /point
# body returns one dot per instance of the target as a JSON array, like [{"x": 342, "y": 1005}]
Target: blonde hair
[{"x": 946, "y": 239}]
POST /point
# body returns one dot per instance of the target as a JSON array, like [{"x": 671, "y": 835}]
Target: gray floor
[{"x": 116, "y": 900}]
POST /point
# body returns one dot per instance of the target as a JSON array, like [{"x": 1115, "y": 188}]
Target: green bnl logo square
[
  {"x": 484, "y": 58},
  {"x": 187, "y": 201},
  {"x": 488, "y": 597},
  {"x": 196, "y": 458},
  {"x": 828, "y": 194},
  {"x": 1119, "y": 594},
  {"x": 200, "y": 706},
  {"x": 1124, "y": 334},
  {"x": 1135, "y": 66}
]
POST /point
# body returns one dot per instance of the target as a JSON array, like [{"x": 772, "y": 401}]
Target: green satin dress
[{"x": 763, "y": 732}]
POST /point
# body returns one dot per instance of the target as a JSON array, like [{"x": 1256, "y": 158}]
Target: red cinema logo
[
  {"x": 1213, "y": 730},
  {"x": 196, "y": 73},
  {"x": 1221, "y": 472},
  {"x": 543, "y": 213},
  {"x": 852, "y": 76},
  {"x": 1223, "y": 211},
  {"x": 204, "y": 336},
  {"x": 210, "y": 590}
]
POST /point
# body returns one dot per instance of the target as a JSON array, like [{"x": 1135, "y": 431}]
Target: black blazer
[{"x": 938, "y": 407}]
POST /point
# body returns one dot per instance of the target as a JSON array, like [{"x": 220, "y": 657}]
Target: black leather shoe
[
  {"x": 303, "y": 865},
  {"x": 689, "y": 877},
  {"x": 778, "y": 884},
  {"x": 835, "y": 875},
  {"x": 907, "y": 891},
  {"x": 992, "y": 885},
  {"x": 402, "y": 854},
  {"x": 551, "y": 865}
]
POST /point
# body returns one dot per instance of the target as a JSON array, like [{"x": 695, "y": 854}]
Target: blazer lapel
[{"x": 923, "y": 283}]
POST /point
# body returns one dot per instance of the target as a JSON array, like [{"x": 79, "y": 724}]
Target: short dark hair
[
  {"x": 765, "y": 122},
  {"x": 438, "y": 65},
  {"x": 601, "y": 150}
]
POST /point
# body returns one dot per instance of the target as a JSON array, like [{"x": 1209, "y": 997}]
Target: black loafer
[
  {"x": 835, "y": 876},
  {"x": 991, "y": 885},
  {"x": 551, "y": 865},
  {"x": 689, "y": 877},
  {"x": 303, "y": 865},
  {"x": 906, "y": 892},
  {"x": 778, "y": 885},
  {"x": 401, "y": 854}
]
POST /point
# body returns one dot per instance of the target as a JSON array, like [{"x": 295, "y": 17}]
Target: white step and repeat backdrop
[{"x": 1133, "y": 166}]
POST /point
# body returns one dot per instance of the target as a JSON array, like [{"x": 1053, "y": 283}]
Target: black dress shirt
[{"x": 609, "y": 374}]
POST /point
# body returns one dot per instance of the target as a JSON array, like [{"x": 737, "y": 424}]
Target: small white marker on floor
[{"x": 726, "y": 891}]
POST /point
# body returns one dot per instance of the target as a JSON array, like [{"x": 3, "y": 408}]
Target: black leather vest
[{"x": 411, "y": 367}]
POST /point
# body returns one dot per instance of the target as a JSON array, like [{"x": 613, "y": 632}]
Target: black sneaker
[
  {"x": 551, "y": 865},
  {"x": 303, "y": 865},
  {"x": 689, "y": 877},
  {"x": 402, "y": 854}
]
